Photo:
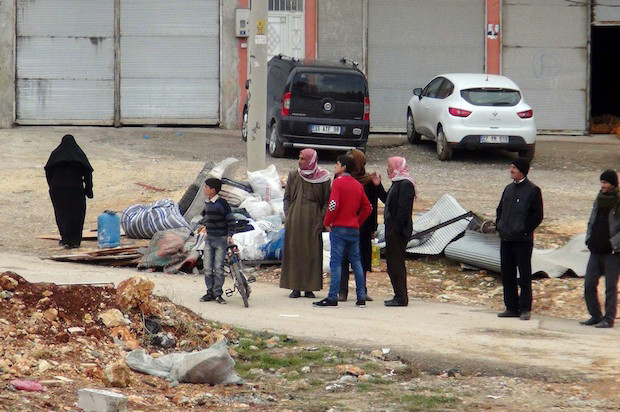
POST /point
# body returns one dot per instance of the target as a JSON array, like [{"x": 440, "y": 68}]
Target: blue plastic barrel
[{"x": 108, "y": 229}]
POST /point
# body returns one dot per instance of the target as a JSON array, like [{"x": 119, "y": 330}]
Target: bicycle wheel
[{"x": 241, "y": 284}]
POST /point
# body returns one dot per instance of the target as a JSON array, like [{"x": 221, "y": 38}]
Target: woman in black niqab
[{"x": 70, "y": 178}]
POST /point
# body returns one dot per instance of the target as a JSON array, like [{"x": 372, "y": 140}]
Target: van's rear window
[
  {"x": 491, "y": 97},
  {"x": 347, "y": 87}
]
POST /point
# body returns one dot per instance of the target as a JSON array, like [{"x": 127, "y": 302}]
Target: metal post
[{"x": 257, "y": 93}]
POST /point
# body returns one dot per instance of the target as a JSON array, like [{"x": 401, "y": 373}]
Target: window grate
[{"x": 286, "y": 5}]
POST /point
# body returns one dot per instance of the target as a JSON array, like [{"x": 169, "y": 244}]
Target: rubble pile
[{"x": 67, "y": 337}]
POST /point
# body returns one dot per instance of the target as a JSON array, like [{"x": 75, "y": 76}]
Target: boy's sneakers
[
  {"x": 207, "y": 298},
  {"x": 220, "y": 300},
  {"x": 360, "y": 303}
]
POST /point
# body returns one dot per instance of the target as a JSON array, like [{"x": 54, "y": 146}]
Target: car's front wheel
[
  {"x": 529, "y": 152},
  {"x": 276, "y": 148},
  {"x": 244, "y": 125},
  {"x": 412, "y": 135},
  {"x": 444, "y": 151}
]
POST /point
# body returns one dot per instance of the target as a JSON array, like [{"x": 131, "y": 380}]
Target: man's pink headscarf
[
  {"x": 401, "y": 171},
  {"x": 309, "y": 169}
]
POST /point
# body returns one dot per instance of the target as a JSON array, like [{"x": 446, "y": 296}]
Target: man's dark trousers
[
  {"x": 608, "y": 265},
  {"x": 517, "y": 255},
  {"x": 395, "y": 256}
]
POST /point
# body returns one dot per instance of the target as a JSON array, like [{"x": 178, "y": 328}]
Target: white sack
[{"x": 266, "y": 183}]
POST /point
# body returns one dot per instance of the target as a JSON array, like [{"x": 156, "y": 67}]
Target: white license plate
[
  {"x": 494, "y": 139},
  {"x": 317, "y": 128}
]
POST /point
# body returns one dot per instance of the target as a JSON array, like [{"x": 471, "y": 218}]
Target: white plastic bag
[
  {"x": 277, "y": 206},
  {"x": 326, "y": 252},
  {"x": 256, "y": 207},
  {"x": 249, "y": 244},
  {"x": 266, "y": 183}
]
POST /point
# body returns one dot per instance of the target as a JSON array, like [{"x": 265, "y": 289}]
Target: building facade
[{"x": 146, "y": 62}]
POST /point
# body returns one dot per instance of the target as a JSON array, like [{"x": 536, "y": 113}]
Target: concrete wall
[
  {"x": 229, "y": 73},
  {"x": 341, "y": 30},
  {"x": 7, "y": 69}
]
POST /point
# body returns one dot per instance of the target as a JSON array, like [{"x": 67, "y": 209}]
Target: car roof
[
  {"x": 313, "y": 63},
  {"x": 471, "y": 80}
]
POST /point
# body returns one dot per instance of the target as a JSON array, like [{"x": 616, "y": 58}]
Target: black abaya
[{"x": 69, "y": 176}]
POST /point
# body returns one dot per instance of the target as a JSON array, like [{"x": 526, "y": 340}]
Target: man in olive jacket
[
  {"x": 519, "y": 213},
  {"x": 603, "y": 240}
]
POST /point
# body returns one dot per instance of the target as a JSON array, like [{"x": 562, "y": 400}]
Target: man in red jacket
[{"x": 347, "y": 209}]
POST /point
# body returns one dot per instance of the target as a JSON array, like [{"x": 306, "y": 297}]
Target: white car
[{"x": 471, "y": 111}]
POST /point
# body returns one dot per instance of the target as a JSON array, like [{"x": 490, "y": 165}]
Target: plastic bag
[
  {"x": 256, "y": 207},
  {"x": 266, "y": 183},
  {"x": 213, "y": 366},
  {"x": 249, "y": 244},
  {"x": 277, "y": 206},
  {"x": 273, "y": 249}
]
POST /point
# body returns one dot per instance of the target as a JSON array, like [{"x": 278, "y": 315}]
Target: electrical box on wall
[{"x": 242, "y": 22}]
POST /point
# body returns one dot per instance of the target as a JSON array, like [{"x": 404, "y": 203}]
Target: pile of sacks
[{"x": 257, "y": 204}]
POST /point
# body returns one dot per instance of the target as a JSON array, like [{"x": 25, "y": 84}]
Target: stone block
[{"x": 98, "y": 400}]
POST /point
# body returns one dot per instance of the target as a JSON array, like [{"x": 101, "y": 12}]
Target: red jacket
[{"x": 348, "y": 205}]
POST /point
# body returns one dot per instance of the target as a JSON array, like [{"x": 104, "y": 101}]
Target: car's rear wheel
[
  {"x": 244, "y": 125},
  {"x": 529, "y": 152},
  {"x": 444, "y": 151},
  {"x": 412, "y": 135},
  {"x": 276, "y": 148}
]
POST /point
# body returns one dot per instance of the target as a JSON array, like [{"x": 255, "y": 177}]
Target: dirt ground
[
  {"x": 279, "y": 372},
  {"x": 566, "y": 169}
]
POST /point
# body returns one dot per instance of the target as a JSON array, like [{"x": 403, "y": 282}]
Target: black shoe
[
  {"x": 509, "y": 314},
  {"x": 342, "y": 298},
  {"x": 309, "y": 294},
  {"x": 295, "y": 294},
  {"x": 393, "y": 302},
  {"x": 360, "y": 303},
  {"x": 325, "y": 302},
  {"x": 591, "y": 321},
  {"x": 207, "y": 298},
  {"x": 369, "y": 299},
  {"x": 525, "y": 315},
  {"x": 220, "y": 300},
  {"x": 604, "y": 324}
]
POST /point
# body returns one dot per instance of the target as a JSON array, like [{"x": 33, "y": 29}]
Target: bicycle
[{"x": 237, "y": 272}]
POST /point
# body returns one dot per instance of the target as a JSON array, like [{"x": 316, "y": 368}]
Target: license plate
[
  {"x": 494, "y": 139},
  {"x": 318, "y": 128}
]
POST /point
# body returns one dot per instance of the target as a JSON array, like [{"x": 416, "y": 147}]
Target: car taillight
[
  {"x": 366, "y": 108},
  {"x": 526, "y": 114},
  {"x": 458, "y": 112},
  {"x": 286, "y": 104}
]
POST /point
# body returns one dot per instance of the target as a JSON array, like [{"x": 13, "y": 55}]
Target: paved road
[{"x": 438, "y": 335}]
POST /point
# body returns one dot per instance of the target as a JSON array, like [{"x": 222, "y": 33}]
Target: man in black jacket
[
  {"x": 603, "y": 240},
  {"x": 519, "y": 212}
]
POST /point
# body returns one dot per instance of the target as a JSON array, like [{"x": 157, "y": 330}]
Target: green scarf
[{"x": 609, "y": 200}]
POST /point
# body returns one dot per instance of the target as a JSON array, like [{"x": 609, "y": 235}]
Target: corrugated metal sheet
[
  {"x": 65, "y": 56},
  {"x": 482, "y": 251},
  {"x": 548, "y": 61},
  {"x": 340, "y": 30},
  {"x": 170, "y": 60},
  {"x": 445, "y": 209},
  {"x": 606, "y": 12},
  {"x": 410, "y": 42}
]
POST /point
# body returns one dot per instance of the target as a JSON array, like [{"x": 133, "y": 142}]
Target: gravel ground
[{"x": 566, "y": 169}]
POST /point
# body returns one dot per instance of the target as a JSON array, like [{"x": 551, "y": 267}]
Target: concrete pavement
[{"x": 436, "y": 334}]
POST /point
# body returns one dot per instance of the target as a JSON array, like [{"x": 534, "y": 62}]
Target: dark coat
[
  {"x": 398, "y": 209},
  {"x": 519, "y": 212}
]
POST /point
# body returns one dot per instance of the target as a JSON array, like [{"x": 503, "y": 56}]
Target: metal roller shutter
[
  {"x": 65, "y": 62},
  {"x": 410, "y": 42},
  {"x": 170, "y": 61},
  {"x": 548, "y": 60}
]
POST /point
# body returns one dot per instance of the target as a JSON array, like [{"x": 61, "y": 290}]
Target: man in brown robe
[{"x": 305, "y": 201}]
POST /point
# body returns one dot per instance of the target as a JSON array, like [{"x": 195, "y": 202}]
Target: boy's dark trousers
[{"x": 517, "y": 255}]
